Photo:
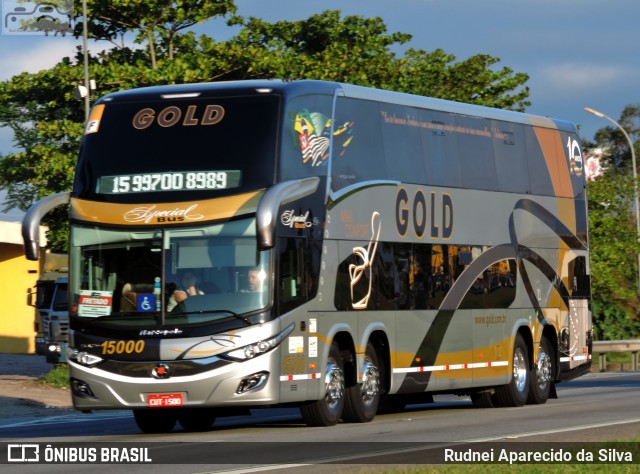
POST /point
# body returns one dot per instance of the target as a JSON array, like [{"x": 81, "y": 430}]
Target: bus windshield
[
  {"x": 178, "y": 149},
  {"x": 144, "y": 278}
]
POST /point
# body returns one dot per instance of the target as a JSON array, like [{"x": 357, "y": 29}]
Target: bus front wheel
[
  {"x": 515, "y": 393},
  {"x": 155, "y": 420},
  {"x": 328, "y": 410},
  {"x": 196, "y": 419},
  {"x": 362, "y": 399}
]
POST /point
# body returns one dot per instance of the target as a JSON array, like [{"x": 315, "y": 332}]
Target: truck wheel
[
  {"x": 362, "y": 399},
  {"x": 328, "y": 410}
]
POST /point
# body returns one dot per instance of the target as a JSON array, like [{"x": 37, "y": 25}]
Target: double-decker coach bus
[{"x": 399, "y": 247}]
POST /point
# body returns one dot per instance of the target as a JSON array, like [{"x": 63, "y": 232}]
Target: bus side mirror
[
  {"x": 32, "y": 219},
  {"x": 275, "y": 197}
]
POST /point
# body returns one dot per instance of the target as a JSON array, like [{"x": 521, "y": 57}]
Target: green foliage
[
  {"x": 613, "y": 140},
  {"x": 47, "y": 122},
  {"x": 614, "y": 248},
  {"x": 613, "y": 233},
  {"x": 613, "y": 322},
  {"x": 358, "y": 50},
  {"x": 58, "y": 377},
  {"x": 156, "y": 22}
]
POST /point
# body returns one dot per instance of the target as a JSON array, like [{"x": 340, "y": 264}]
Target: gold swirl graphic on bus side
[{"x": 367, "y": 255}]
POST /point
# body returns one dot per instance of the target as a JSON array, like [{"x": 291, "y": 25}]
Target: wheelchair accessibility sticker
[{"x": 146, "y": 303}]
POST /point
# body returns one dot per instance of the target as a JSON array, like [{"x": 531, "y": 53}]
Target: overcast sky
[{"x": 577, "y": 52}]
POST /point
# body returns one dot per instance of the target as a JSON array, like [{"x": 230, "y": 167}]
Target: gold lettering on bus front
[
  {"x": 172, "y": 115},
  {"x": 147, "y": 213}
]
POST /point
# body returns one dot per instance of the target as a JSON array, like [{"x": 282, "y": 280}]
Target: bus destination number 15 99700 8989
[{"x": 169, "y": 181}]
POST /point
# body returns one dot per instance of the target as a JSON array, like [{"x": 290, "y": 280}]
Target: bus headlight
[
  {"x": 83, "y": 358},
  {"x": 258, "y": 348}
]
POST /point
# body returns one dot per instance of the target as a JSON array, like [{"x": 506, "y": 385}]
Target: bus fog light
[
  {"x": 81, "y": 389},
  {"x": 253, "y": 382}
]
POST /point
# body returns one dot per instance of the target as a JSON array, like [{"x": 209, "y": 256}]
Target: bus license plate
[{"x": 164, "y": 400}]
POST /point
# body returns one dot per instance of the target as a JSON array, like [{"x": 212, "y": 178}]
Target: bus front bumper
[{"x": 249, "y": 383}]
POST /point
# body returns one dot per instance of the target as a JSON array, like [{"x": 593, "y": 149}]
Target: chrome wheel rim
[
  {"x": 370, "y": 382},
  {"x": 520, "y": 370},
  {"x": 334, "y": 382},
  {"x": 543, "y": 372}
]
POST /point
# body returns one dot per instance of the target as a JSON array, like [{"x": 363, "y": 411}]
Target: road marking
[
  {"x": 553, "y": 431},
  {"x": 54, "y": 420},
  {"x": 352, "y": 457}
]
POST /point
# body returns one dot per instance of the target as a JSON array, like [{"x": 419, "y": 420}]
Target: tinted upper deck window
[{"x": 178, "y": 149}]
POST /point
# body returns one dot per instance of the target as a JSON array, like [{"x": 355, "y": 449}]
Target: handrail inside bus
[
  {"x": 31, "y": 222},
  {"x": 276, "y": 196}
]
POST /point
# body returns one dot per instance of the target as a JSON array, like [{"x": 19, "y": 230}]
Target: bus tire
[
  {"x": 515, "y": 393},
  {"x": 542, "y": 374},
  {"x": 328, "y": 410},
  {"x": 196, "y": 419},
  {"x": 155, "y": 420},
  {"x": 362, "y": 399}
]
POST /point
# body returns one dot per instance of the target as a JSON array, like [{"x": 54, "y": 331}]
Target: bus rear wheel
[
  {"x": 155, "y": 420},
  {"x": 515, "y": 393},
  {"x": 542, "y": 374},
  {"x": 328, "y": 410},
  {"x": 362, "y": 399}
]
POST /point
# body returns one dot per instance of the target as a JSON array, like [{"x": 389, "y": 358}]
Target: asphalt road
[{"x": 593, "y": 408}]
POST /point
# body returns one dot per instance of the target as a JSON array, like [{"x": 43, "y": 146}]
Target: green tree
[
  {"x": 613, "y": 140},
  {"x": 359, "y": 51},
  {"x": 613, "y": 237},
  {"x": 154, "y": 21},
  {"x": 47, "y": 121},
  {"x": 614, "y": 248}
]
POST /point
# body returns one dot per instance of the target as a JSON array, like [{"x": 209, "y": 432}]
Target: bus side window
[
  {"x": 298, "y": 269},
  {"x": 361, "y": 157}
]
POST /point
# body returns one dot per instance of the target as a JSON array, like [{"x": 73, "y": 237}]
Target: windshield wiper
[
  {"x": 125, "y": 316},
  {"x": 209, "y": 311}
]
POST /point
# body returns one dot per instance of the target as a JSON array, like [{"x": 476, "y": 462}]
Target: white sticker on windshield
[{"x": 95, "y": 303}]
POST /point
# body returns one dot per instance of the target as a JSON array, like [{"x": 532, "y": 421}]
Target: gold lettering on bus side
[
  {"x": 434, "y": 227},
  {"x": 213, "y": 114},
  {"x": 143, "y": 118},
  {"x": 419, "y": 214},
  {"x": 402, "y": 212},
  {"x": 355, "y": 231},
  {"x": 169, "y": 116},
  {"x": 414, "y": 212},
  {"x": 447, "y": 215},
  {"x": 189, "y": 117}
]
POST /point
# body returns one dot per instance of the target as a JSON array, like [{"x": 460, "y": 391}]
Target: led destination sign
[{"x": 169, "y": 181}]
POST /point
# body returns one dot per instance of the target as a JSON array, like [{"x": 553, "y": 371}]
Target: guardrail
[{"x": 629, "y": 345}]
